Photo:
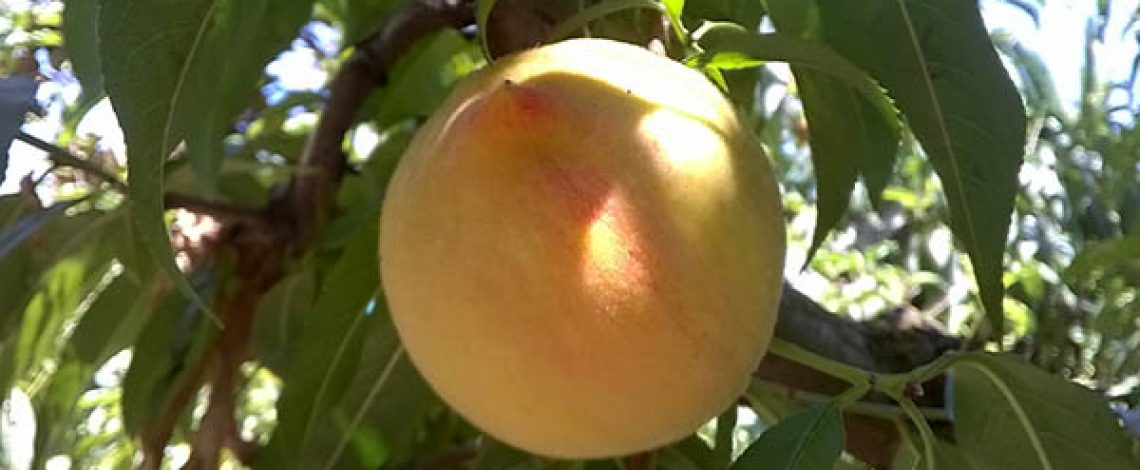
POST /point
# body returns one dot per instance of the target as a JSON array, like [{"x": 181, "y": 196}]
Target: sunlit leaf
[
  {"x": 420, "y": 80},
  {"x": 1009, "y": 414},
  {"x": 947, "y": 79}
]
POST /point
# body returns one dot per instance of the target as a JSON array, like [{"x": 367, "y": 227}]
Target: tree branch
[
  {"x": 310, "y": 194},
  {"x": 62, "y": 157}
]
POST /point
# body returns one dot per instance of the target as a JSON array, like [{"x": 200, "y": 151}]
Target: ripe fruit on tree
[{"x": 582, "y": 250}]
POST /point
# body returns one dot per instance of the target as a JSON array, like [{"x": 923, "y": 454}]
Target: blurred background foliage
[{"x": 1073, "y": 257}]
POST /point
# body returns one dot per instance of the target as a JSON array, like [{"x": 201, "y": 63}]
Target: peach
[{"x": 582, "y": 250}]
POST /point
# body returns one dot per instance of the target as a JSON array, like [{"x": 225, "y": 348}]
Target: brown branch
[{"x": 310, "y": 194}]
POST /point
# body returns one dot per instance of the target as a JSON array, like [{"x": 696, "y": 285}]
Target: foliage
[{"x": 109, "y": 303}]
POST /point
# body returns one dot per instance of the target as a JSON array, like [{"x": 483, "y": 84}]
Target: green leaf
[
  {"x": 1112, "y": 257},
  {"x": 56, "y": 410},
  {"x": 328, "y": 351},
  {"x": 719, "y": 39},
  {"x": 163, "y": 359},
  {"x": 362, "y": 17},
  {"x": 145, "y": 71},
  {"x": 725, "y": 428},
  {"x": 692, "y": 453},
  {"x": 279, "y": 318},
  {"x": 81, "y": 39},
  {"x": 947, "y": 79},
  {"x": 482, "y": 14},
  {"x": 239, "y": 38},
  {"x": 60, "y": 266},
  {"x": 1009, "y": 414},
  {"x": 846, "y": 135},
  {"x": 17, "y": 94},
  {"x": 811, "y": 439},
  {"x": 746, "y": 13},
  {"x": 114, "y": 320},
  {"x": 420, "y": 80},
  {"x": 380, "y": 417}
]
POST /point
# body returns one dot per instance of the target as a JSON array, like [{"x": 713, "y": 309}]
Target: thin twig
[{"x": 62, "y": 157}]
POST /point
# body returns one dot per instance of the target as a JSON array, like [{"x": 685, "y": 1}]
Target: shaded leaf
[
  {"x": 809, "y": 439},
  {"x": 164, "y": 357},
  {"x": 56, "y": 410},
  {"x": 17, "y": 94},
  {"x": 279, "y": 318},
  {"x": 113, "y": 321},
  {"x": 237, "y": 40},
  {"x": 145, "y": 71},
  {"x": 13, "y": 235},
  {"x": 846, "y": 136},
  {"x": 1009, "y": 414},
  {"x": 725, "y": 428},
  {"x": 690, "y": 454},
  {"x": 954, "y": 92},
  {"x": 81, "y": 39},
  {"x": 746, "y": 13},
  {"x": 328, "y": 351}
]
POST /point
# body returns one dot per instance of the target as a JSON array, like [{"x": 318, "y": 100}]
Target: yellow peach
[{"x": 582, "y": 250}]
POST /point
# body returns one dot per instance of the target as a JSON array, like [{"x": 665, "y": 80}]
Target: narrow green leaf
[
  {"x": 56, "y": 410},
  {"x": 146, "y": 70},
  {"x": 809, "y": 440},
  {"x": 844, "y": 140},
  {"x": 222, "y": 74},
  {"x": 113, "y": 321},
  {"x": 674, "y": 9},
  {"x": 421, "y": 79},
  {"x": 167, "y": 351},
  {"x": 65, "y": 262},
  {"x": 746, "y": 13},
  {"x": 1009, "y": 414},
  {"x": 280, "y": 317},
  {"x": 17, "y": 94},
  {"x": 947, "y": 79},
  {"x": 787, "y": 48},
  {"x": 482, "y": 14},
  {"x": 328, "y": 352},
  {"x": 81, "y": 39},
  {"x": 725, "y": 429},
  {"x": 692, "y": 453}
]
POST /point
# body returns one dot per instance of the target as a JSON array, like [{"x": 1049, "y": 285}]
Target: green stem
[
  {"x": 601, "y": 10},
  {"x": 791, "y": 352},
  {"x": 924, "y": 430}
]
